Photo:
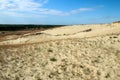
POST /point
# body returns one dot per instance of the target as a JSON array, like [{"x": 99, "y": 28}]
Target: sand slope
[
  {"x": 95, "y": 58},
  {"x": 75, "y": 31},
  {"x": 83, "y": 52}
]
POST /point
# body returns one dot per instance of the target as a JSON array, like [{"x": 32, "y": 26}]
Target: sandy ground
[
  {"x": 75, "y": 31},
  {"x": 78, "y": 52}
]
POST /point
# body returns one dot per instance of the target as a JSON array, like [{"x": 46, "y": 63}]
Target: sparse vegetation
[
  {"x": 50, "y": 50},
  {"x": 53, "y": 59},
  {"x": 93, "y": 57}
]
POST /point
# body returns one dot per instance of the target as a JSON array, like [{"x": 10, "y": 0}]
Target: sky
[{"x": 59, "y": 12}]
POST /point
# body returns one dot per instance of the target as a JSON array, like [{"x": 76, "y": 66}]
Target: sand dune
[
  {"x": 75, "y": 31},
  {"x": 78, "y": 52}
]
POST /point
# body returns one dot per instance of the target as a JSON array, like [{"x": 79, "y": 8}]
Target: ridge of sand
[
  {"x": 75, "y": 31},
  {"x": 78, "y": 52},
  {"x": 96, "y": 58}
]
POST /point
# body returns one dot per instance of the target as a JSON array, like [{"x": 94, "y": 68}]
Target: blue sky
[{"x": 59, "y": 11}]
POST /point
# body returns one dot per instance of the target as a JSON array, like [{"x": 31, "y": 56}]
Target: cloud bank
[{"x": 33, "y": 8}]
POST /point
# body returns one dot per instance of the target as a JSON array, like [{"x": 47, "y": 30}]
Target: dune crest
[{"x": 74, "y": 31}]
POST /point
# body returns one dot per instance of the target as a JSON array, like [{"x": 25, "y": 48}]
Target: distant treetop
[{"x": 117, "y": 22}]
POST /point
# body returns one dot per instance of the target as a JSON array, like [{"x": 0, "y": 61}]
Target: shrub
[{"x": 53, "y": 59}]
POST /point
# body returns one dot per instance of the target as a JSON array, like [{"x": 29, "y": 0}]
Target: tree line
[{"x": 8, "y": 27}]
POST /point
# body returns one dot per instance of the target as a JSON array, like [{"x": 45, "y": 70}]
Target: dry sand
[
  {"x": 65, "y": 32},
  {"x": 78, "y": 52}
]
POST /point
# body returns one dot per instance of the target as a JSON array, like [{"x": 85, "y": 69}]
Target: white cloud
[
  {"x": 20, "y": 5},
  {"x": 16, "y": 7},
  {"x": 81, "y": 10},
  {"x": 86, "y": 9},
  {"x": 22, "y": 15}
]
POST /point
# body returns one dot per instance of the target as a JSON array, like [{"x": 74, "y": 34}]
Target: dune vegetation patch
[{"x": 94, "y": 58}]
